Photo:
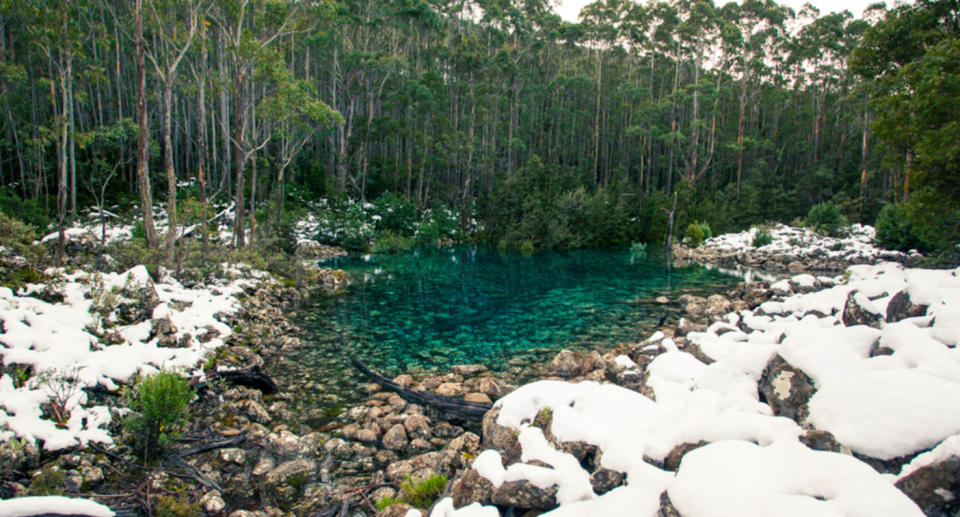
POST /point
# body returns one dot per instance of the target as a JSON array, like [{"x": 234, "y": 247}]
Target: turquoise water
[{"x": 429, "y": 309}]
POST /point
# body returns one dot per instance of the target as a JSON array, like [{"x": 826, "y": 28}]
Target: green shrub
[
  {"x": 424, "y": 493},
  {"x": 391, "y": 242},
  {"x": 397, "y": 213},
  {"x": 159, "y": 403},
  {"x": 825, "y": 218},
  {"x": 696, "y": 233},
  {"x": 894, "y": 230},
  {"x": 761, "y": 237}
]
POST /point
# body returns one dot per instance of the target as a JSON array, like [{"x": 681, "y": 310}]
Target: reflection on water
[{"x": 430, "y": 309}]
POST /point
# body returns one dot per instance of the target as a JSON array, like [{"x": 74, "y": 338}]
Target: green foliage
[
  {"x": 50, "y": 481},
  {"x": 391, "y": 242},
  {"x": 424, "y": 493},
  {"x": 894, "y": 230},
  {"x": 384, "y": 503},
  {"x": 176, "y": 505},
  {"x": 159, "y": 404},
  {"x": 761, "y": 237},
  {"x": 825, "y": 218},
  {"x": 696, "y": 233},
  {"x": 27, "y": 210}
]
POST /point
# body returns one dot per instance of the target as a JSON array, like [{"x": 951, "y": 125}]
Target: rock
[
  {"x": 820, "y": 440},
  {"x": 796, "y": 267},
  {"x": 449, "y": 389},
  {"x": 480, "y": 398},
  {"x": 489, "y": 386},
  {"x": 605, "y": 480},
  {"x": 417, "y": 426},
  {"x": 290, "y": 470},
  {"x": 92, "y": 476},
  {"x": 786, "y": 389},
  {"x": 569, "y": 364},
  {"x": 405, "y": 381},
  {"x": 935, "y": 488},
  {"x": 418, "y": 467},
  {"x": 500, "y": 438},
  {"x": 672, "y": 461},
  {"x": 256, "y": 411},
  {"x": 266, "y": 464},
  {"x": 395, "y": 439},
  {"x": 524, "y": 494},
  {"x": 901, "y": 307},
  {"x": 666, "y": 507},
  {"x": 366, "y": 436},
  {"x": 858, "y": 311},
  {"x": 468, "y": 370},
  {"x": 446, "y": 430},
  {"x": 420, "y": 445},
  {"x": 136, "y": 301},
  {"x": 472, "y": 487},
  {"x": 395, "y": 510},
  {"x": 234, "y": 455},
  {"x": 717, "y": 305},
  {"x": 212, "y": 501}
]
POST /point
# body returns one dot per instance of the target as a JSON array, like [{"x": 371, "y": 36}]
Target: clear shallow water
[{"x": 429, "y": 309}]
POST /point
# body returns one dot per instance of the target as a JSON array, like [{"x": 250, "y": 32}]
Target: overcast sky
[{"x": 570, "y": 9}]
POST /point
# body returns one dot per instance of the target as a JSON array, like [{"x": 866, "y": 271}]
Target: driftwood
[
  {"x": 209, "y": 446},
  {"x": 251, "y": 378},
  {"x": 452, "y": 405}
]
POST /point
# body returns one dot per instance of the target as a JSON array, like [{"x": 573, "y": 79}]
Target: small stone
[
  {"x": 395, "y": 438},
  {"x": 796, "y": 267},
  {"x": 420, "y": 445},
  {"x": 233, "y": 455},
  {"x": 479, "y": 398},
  {"x": 417, "y": 426},
  {"x": 468, "y": 370},
  {"x": 857, "y": 310},
  {"x": 524, "y": 494},
  {"x": 605, "y": 480},
  {"x": 404, "y": 381},
  {"x": 266, "y": 464},
  {"x": 289, "y": 470},
  {"x": 92, "y": 476},
  {"x": 472, "y": 487},
  {"x": 820, "y": 440},
  {"x": 212, "y": 501},
  {"x": 449, "y": 389},
  {"x": 395, "y": 510},
  {"x": 366, "y": 436}
]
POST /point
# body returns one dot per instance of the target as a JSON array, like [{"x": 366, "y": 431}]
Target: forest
[{"x": 552, "y": 134}]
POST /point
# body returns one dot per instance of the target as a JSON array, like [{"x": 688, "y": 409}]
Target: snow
[
  {"x": 881, "y": 406},
  {"x": 52, "y": 505},
  {"x": 737, "y": 478},
  {"x": 61, "y": 342}
]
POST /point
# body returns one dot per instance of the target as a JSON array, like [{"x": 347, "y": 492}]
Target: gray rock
[
  {"x": 499, "y": 438},
  {"x": 786, "y": 389},
  {"x": 672, "y": 461},
  {"x": 290, "y": 470},
  {"x": 569, "y": 364},
  {"x": 468, "y": 370},
  {"x": 233, "y": 455},
  {"x": 855, "y": 314},
  {"x": 901, "y": 307},
  {"x": 472, "y": 487},
  {"x": 666, "y": 507},
  {"x": 605, "y": 480},
  {"x": 212, "y": 501},
  {"x": 820, "y": 440},
  {"x": 366, "y": 436},
  {"x": 523, "y": 494},
  {"x": 395, "y": 510},
  {"x": 395, "y": 439},
  {"x": 417, "y": 426},
  {"x": 935, "y": 488},
  {"x": 418, "y": 467}
]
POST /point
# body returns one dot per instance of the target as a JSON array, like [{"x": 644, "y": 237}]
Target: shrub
[
  {"x": 391, "y": 242},
  {"x": 424, "y": 493},
  {"x": 894, "y": 230},
  {"x": 825, "y": 218},
  {"x": 696, "y": 233},
  {"x": 159, "y": 402},
  {"x": 761, "y": 237}
]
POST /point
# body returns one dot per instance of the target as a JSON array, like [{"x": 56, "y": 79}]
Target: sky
[{"x": 570, "y": 9}]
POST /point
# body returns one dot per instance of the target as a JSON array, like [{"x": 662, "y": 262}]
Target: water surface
[{"x": 429, "y": 309}]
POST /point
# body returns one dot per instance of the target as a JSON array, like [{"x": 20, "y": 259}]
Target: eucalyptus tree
[{"x": 173, "y": 25}]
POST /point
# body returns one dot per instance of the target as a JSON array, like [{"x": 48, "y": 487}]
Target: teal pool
[{"x": 429, "y": 309}]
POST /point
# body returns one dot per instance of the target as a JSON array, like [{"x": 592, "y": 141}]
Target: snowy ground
[
  {"x": 84, "y": 341},
  {"x": 882, "y": 405},
  {"x": 858, "y": 245}
]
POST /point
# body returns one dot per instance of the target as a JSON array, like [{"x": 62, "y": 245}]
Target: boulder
[
  {"x": 472, "y": 487},
  {"x": 526, "y": 495},
  {"x": 717, "y": 305},
  {"x": 858, "y": 310},
  {"x": 569, "y": 364},
  {"x": 500, "y": 438},
  {"x": 935, "y": 488},
  {"x": 786, "y": 389},
  {"x": 901, "y": 307}
]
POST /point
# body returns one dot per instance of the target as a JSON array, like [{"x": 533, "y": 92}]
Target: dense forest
[{"x": 551, "y": 133}]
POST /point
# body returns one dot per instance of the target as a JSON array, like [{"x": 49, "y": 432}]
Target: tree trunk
[
  {"x": 168, "y": 168},
  {"x": 143, "y": 173}
]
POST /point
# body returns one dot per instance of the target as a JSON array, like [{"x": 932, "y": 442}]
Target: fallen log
[
  {"x": 455, "y": 406},
  {"x": 251, "y": 378},
  {"x": 219, "y": 444}
]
